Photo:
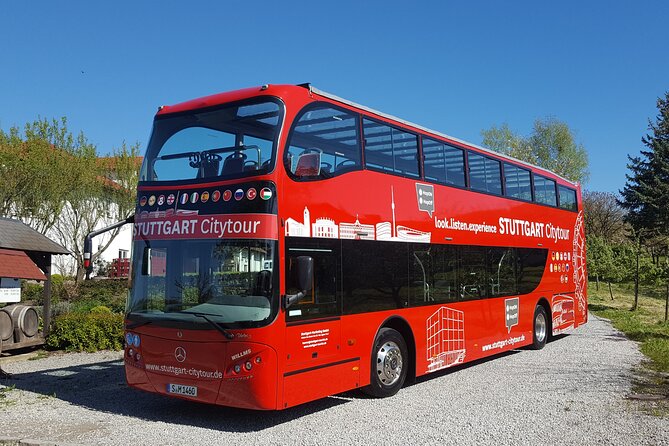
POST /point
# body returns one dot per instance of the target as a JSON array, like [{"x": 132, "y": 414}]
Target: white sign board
[{"x": 10, "y": 290}]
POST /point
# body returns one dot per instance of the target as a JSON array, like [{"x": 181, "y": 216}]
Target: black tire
[
  {"x": 389, "y": 364},
  {"x": 540, "y": 326}
]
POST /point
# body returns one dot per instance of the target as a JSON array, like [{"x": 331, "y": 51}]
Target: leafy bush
[
  {"x": 57, "y": 280},
  {"x": 110, "y": 293},
  {"x": 31, "y": 292},
  {"x": 84, "y": 296},
  {"x": 87, "y": 332},
  {"x": 59, "y": 308},
  {"x": 100, "y": 309}
]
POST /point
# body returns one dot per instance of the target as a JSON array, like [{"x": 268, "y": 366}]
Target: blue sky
[{"x": 456, "y": 67}]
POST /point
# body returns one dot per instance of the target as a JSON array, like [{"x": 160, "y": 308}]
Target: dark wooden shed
[{"x": 24, "y": 254}]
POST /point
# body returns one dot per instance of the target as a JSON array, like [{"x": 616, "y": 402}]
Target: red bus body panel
[{"x": 307, "y": 360}]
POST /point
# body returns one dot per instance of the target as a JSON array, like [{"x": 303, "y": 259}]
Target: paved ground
[{"x": 572, "y": 392}]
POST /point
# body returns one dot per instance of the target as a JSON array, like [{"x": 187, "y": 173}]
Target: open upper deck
[{"x": 318, "y": 135}]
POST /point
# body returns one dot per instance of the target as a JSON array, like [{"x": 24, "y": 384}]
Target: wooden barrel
[
  {"x": 6, "y": 325},
  {"x": 25, "y": 318}
]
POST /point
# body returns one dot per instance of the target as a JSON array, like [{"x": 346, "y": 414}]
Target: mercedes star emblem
[{"x": 180, "y": 354}]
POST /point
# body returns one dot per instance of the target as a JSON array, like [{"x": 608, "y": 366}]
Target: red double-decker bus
[{"x": 289, "y": 245}]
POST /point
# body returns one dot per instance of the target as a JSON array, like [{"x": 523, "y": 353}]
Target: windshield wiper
[{"x": 225, "y": 332}]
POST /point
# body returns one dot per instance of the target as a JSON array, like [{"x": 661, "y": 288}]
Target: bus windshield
[
  {"x": 228, "y": 282},
  {"x": 229, "y": 141}
]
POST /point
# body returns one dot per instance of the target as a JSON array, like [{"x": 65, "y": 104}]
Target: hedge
[{"x": 87, "y": 332}]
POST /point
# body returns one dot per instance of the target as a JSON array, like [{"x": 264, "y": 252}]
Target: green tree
[
  {"x": 612, "y": 262},
  {"x": 107, "y": 197},
  {"x": 599, "y": 256},
  {"x": 550, "y": 145},
  {"x": 604, "y": 217},
  {"x": 646, "y": 192},
  {"x": 39, "y": 170},
  {"x": 55, "y": 182}
]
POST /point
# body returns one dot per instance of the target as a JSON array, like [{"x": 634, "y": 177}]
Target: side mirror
[{"x": 305, "y": 281}]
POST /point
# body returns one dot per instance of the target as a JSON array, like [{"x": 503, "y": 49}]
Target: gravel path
[{"x": 571, "y": 392}]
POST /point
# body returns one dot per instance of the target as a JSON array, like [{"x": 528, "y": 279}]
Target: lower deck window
[{"x": 358, "y": 276}]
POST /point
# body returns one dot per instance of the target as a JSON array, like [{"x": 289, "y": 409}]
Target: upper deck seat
[{"x": 233, "y": 163}]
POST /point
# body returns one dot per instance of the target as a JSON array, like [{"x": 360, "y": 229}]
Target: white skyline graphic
[{"x": 326, "y": 227}]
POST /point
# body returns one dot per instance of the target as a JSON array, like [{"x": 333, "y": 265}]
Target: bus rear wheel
[
  {"x": 389, "y": 364},
  {"x": 540, "y": 330}
]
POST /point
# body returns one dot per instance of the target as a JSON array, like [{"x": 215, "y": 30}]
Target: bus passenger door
[{"x": 313, "y": 363}]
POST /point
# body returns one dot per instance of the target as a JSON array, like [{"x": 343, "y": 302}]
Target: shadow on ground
[{"x": 101, "y": 387}]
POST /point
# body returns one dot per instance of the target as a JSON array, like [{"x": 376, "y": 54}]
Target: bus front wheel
[
  {"x": 389, "y": 364},
  {"x": 540, "y": 331}
]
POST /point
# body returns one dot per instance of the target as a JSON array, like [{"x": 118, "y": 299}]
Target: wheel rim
[
  {"x": 540, "y": 327},
  {"x": 389, "y": 363}
]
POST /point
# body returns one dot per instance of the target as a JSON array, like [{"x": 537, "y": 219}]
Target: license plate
[{"x": 182, "y": 390}]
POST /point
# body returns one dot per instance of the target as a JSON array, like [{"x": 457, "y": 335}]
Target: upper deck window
[
  {"x": 323, "y": 143},
  {"x": 544, "y": 191},
  {"x": 518, "y": 184},
  {"x": 228, "y": 141},
  {"x": 390, "y": 150},
  {"x": 485, "y": 174},
  {"x": 443, "y": 163},
  {"x": 567, "y": 198}
]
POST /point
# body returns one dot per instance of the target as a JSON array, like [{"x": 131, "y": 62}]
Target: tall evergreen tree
[{"x": 646, "y": 192}]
